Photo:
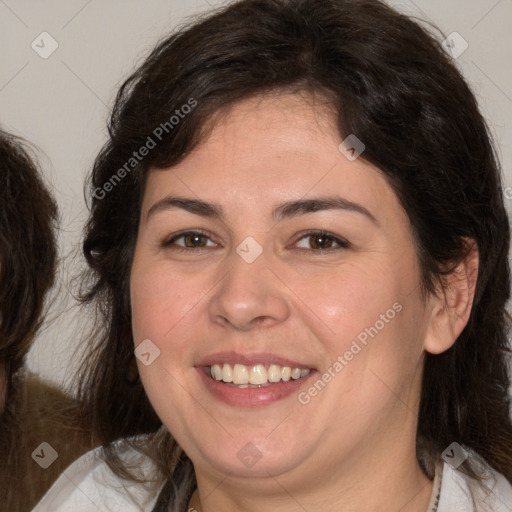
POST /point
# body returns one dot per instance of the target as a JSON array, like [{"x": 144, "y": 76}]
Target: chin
[{"x": 259, "y": 457}]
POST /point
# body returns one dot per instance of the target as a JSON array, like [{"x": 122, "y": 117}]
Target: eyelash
[{"x": 343, "y": 244}]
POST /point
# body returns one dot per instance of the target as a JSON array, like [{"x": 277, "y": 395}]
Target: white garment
[
  {"x": 496, "y": 496},
  {"x": 88, "y": 485}
]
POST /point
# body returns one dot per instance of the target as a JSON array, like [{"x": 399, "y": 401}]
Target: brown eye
[
  {"x": 188, "y": 240},
  {"x": 194, "y": 240},
  {"x": 320, "y": 241}
]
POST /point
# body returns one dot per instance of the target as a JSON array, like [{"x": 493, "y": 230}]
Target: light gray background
[{"x": 61, "y": 103}]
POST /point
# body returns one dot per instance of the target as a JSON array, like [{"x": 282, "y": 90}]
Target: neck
[{"x": 393, "y": 481}]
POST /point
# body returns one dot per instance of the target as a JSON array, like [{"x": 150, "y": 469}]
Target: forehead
[{"x": 266, "y": 150}]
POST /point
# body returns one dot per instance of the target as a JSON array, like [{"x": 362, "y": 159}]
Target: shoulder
[
  {"x": 461, "y": 493},
  {"x": 40, "y": 412},
  {"x": 89, "y": 485}
]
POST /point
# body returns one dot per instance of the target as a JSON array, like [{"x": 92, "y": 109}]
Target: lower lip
[{"x": 252, "y": 397}]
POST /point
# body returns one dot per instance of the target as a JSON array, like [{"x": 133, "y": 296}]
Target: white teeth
[
  {"x": 257, "y": 375},
  {"x": 240, "y": 374},
  {"x": 296, "y": 373},
  {"x": 227, "y": 373},
  {"x": 217, "y": 372},
  {"x": 274, "y": 373}
]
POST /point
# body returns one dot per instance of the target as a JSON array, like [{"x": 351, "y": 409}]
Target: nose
[{"x": 249, "y": 295}]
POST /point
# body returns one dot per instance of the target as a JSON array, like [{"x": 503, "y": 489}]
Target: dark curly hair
[{"x": 389, "y": 81}]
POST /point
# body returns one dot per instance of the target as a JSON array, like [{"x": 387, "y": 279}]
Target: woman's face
[{"x": 300, "y": 264}]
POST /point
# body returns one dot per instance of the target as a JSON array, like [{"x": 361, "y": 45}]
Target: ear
[{"x": 451, "y": 309}]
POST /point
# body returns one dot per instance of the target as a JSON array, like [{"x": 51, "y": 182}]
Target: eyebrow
[{"x": 281, "y": 211}]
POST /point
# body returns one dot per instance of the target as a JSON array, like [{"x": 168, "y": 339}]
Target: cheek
[
  {"x": 160, "y": 300},
  {"x": 345, "y": 303},
  {"x": 162, "y": 307},
  {"x": 369, "y": 322}
]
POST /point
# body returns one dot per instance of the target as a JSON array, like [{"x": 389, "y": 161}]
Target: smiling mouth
[{"x": 256, "y": 376}]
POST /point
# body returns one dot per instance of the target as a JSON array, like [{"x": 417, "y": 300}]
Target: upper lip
[{"x": 250, "y": 360}]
